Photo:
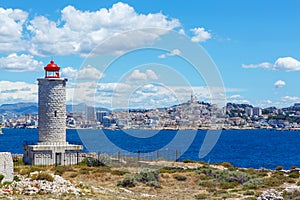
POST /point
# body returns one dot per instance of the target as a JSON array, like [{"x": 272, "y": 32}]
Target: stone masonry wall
[
  {"x": 6, "y": 166},
  {"x": 52, "y": 110}
]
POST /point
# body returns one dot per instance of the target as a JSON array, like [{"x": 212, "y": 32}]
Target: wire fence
[{"x": 120, "y": 156}]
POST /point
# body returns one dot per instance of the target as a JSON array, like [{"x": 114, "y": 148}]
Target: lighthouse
[{"x": 52, "y": 147}]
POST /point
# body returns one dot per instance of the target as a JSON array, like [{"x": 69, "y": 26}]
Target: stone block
[{"x": 6, "y": 166}]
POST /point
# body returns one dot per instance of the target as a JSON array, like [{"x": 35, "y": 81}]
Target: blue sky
[{"x": 113, "y": 60}]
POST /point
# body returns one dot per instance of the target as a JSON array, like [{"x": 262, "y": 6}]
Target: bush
[
  {"x": 1, "y": 177},
  {"x": 43, "y": 176},
  {"x": 60, "y": 170},
  {"x": 155, "y": 184},
  {"x": 207, "y": 184},
  {"x": 147, "y": 175},
  {"x": 228, "y": 165},
  {"x": 188, "y": 161},
  {"x": 232, "y": 176},
  {"x": 201, "y": 196},
  {"x": 294, "y": 175},
  {"x": 17, "y": 179},
  {"x": 293, "y": 167},
  {"x": 228, "y": 185},
  {"x": 279, "y": 168},
  {"x": 249, "y": 192},
  {"x": 179, "y": 177},
  {"x": 128, "y": 181},
  {"x": 254, "y": 183},
  {"x": 84, "y": 171},
  {"x": 118, "y": 172},
  {"x": 104, "y": 159}
]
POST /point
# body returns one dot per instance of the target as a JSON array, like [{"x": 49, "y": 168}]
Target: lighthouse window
[{"x": 55, "y": 113}]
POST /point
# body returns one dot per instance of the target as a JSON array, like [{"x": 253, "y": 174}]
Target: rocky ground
[{"x": 151, "y": 180}]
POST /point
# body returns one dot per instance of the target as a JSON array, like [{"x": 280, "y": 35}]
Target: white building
[
  {"x": 249, "y": 111},
  {"x": 257, "y": 111}
]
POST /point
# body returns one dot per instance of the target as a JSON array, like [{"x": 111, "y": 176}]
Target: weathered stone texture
[
  {"x": 6, "y": 166},
  {"x": 52, "y": 110}
]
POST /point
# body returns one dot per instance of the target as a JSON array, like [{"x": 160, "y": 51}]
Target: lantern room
[{"x": 52, "y": 70}]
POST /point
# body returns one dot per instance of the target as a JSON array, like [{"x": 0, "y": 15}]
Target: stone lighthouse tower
[{"x": 52, "y": 147}]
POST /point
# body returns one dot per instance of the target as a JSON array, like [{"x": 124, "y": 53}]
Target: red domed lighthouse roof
[{"x": 52, "y": 66}]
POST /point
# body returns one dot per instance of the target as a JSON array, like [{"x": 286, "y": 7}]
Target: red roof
[{"x": 52, "y": 66}]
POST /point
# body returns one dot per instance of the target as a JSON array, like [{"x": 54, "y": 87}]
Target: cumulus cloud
[
  {"x": 174, "y": 52},
  {"x": 82, "y": 31},
  {"x": 279, "y": 84},
  {"x": 86, "y": 73},
  {"x": 281, "y": 64},
  {"x": 200, "y": 35},
  {"x": 15, "y": 92},
  {"x": 11, "y": 29},
  {"x": 137, "y": 75},
  {"x": 20, "y": 63}
]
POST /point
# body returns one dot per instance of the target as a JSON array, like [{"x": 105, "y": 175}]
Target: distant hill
[
  {"x": 19, "y": 108},
  {"x": 32, "y": 108}
]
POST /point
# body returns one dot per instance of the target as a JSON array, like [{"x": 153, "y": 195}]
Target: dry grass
[{"x": 199, "y": 181}]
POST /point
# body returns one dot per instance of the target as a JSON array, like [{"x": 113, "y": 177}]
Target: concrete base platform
[{"x": 52, "y": 154}]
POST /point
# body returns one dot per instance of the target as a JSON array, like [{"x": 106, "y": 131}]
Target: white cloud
[
  {"x": 200, "y": 35},
  {"x": 174, "y": 52},
  {"x": 282, "y": 64},
  {"x": 138, "y": 76},
  {"x": 15, "y": 92},
  {"x": 279, "y": 84},
  {"x": 85, "y": 73},
  {"x": 82, "y": 31},
  {"x": 264, "y": 65},
  {"x": 181, "y": 31},
  {"x": 235, "y": 96},
  {"x": 11, "y": 29},
  {"x": 20, "y": 63},
  {"x": 291, "y": 99}
]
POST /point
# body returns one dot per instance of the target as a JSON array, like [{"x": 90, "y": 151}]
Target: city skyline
[{"x": 253, "y": 45}]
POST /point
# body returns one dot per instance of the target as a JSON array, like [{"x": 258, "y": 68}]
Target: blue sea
[{"x": 242, "y": 148}]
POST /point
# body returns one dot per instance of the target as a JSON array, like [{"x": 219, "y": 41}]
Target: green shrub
[
  {"x": 294, "y": 175},
  {"x": 232, "y": 176},
  {"x": 179, "y": 177},
  {"x": 92, "y": 162},
  {"x": 1, "y": 177},
  {"x": 249, "y": 192},
  {"x": 170, "y": 170},
  {"x": 147, "y": 175},
  {"x": 273, "y": 181},
  {"x": 291, "y": 195},
  {"x": 17, "y": 179},
  {"x": 254, "y": 183},
  {"x": 104, "y": 159},
  {"x": 18, "y": 162},
  {"x": 188, "y": 161},
  {"x": 60, "y": 170},
  {"x": 228, "y": 185},
  {"x": 43, "y": 176},
  {"x": 228, "y": 165},
  {"x": 118, "y": 172},
  {"x": 73, "y": 175},
  {"x": 102, "y": 169},
  {"x": 128, "y": 181},
  {"x": 201, "y": 196},
  {"x": 155, "y": 184},
  {"x": 84, "y": 171},
  {"x": 298, "y": 184},
  {"x": 208, "y": 184},
  {"x": 6, "y": 183}
]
